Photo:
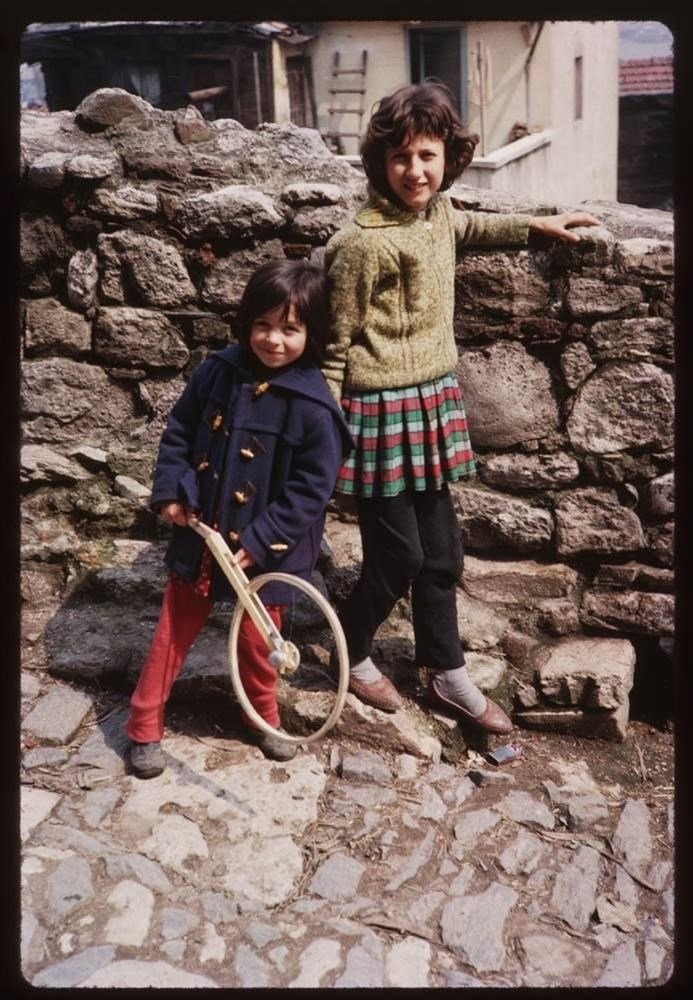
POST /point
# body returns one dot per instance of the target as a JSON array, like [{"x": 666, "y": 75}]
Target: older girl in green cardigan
[{"x": 391, "y": 364}]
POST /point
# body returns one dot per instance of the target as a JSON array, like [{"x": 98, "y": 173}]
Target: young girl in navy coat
[{"x": 252, "y": 446}]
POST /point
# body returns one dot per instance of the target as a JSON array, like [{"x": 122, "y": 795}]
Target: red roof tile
[{"x": 646, "y": 76}]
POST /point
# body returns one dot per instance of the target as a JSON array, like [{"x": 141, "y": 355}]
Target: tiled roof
[{"x": 646, "y": 76}]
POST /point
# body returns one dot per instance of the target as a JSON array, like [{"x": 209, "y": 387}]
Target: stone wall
[{"x": 139, "y": 230}]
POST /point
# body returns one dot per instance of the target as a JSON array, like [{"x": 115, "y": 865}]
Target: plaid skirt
[{"x": 415, "y": 438}]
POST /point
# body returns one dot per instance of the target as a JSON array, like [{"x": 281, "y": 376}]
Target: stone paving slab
[
  {"x": 346, "y": 867},
  {"x": 58, "y": 714}
]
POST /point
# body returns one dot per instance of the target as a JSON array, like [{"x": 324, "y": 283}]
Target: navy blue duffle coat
[{"x": 259, "y": 452}]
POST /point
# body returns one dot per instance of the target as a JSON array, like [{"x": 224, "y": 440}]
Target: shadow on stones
[{"x": 652, "y": 695}]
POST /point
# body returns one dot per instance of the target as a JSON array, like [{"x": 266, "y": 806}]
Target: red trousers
[{"x": 183, "y": 613}]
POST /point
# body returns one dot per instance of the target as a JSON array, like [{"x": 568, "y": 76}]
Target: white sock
[
  {"x": 366, "y": 671},
  {"x": 457, "y": 686}
]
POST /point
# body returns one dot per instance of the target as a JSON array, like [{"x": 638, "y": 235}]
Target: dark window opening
[
  {"x": 301, "y": 96},
  {"x": 578, "y": 88},
  {"x": 437, "y": 52}
]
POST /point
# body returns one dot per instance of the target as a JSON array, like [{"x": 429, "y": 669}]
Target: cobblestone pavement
[{"x": 348, "y": 866}]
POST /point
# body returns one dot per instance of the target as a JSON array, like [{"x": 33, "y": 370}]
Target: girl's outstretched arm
[{"x": 560, "y": 225}]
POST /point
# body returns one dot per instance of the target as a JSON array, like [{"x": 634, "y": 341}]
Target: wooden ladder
[{"x": 334, "y": 135}]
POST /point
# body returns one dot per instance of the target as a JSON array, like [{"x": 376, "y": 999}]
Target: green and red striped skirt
[{"x": 414, "y": 438}]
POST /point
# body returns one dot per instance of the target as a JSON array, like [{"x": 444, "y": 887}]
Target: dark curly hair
[
  {"x": 426, "y": 108},
  {"x": 287, "y": 283}
]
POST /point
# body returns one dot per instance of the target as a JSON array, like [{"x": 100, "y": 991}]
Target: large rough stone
[
  {"x": 400, "y": 731},
  {"x": 472, "y": 926},
  {"x": 549, "y": 959},
  {"x": 593, "y": 520},
  {"x": 276, "y": 155},
  {"x": 648, "y": 338},
  {"x": 498, "y": 414},
  {"x": 82, "y": 280},
  {"x": 125, "y": 203},
  {"x": 660, "y": 543},
  {"x": 632, "y": 838},
  {"x": 631, "y": 611},
  {"x": 50, "y": 328},
  {"x": 136, "y": 974},
  {"x": 501, "y": 286},
  {"x": 588, "y": 298},
  {"x": 42, "y": 242},
  {"x": 156, "y": 154},
  {"x": 524, "y": 808},
  {"x": 593, "y": 673},
  {"x": 138, "y": 337},
  {"x": 635, "y": 575},
  {"x": 57, "y": 716},
  {"x": 41, "y": 464},
  {"x": 574, "y": 897},
  {"x": 481, "y": 625},
  {"x": 486, "y": 671},
  {"x": 645, "y": 257},
  {"x": 65, "y": 401},
  {"x": 47, "y": 171},
  {"x": 491, "y": 520},
  {"x": 190, "y": 126},
  {"x": 622, "y": 968},
  {"x": 517, "y": 582},
  {"x": 226, "y": 277},
  {"x": 57, "y": 132},
  {"x": 232, "y": 211},
  {"x": 337, "y": 878},
  {"x": 623, "y": 405},
  {"x": 35, "y": 805},
  {"x": 658, "y": 495},
  {"x": 366, "y": 765},
  {"x": 258, "y": 858},
  {"x": 595, "y": 724},
  {"x": 622, "y": 467},
  {"x": 318, "y": 224},
  {"x": 312, "y": 193},
  {"x": 144, "y": 268},
  {"x": 69, "y": 885},
  {"x": 94, "y": 166},
  {"x": 109, "y": 105},
  {"x": 530, "y": 472},
  {"x": 576, "y": 364},
  {"x": 75, "y": 969}
]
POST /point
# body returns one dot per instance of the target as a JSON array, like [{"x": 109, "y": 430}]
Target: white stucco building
[{"x": 553, "y": 83}]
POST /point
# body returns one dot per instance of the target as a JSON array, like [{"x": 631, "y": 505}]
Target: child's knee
[{"x": 403, "y": 557}]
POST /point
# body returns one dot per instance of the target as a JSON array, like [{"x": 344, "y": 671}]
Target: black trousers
[{"x": 411, "y": 540}]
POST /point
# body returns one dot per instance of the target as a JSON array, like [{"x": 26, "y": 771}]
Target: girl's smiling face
[
  {"x": 415, "y": 170},
  {"x": 278, "y": 338}
]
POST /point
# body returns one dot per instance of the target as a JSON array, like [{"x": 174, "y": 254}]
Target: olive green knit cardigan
[{"x": 391, "y": 275}]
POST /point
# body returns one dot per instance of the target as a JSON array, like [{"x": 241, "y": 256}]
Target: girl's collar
[{"x": 380, "y": 211}]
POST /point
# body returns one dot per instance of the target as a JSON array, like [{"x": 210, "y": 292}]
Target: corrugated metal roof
[{"x": 646, "y": 76}]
